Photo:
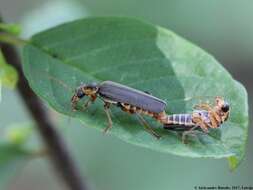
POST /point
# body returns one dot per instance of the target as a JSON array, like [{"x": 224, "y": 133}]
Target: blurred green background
[{"x": 224, "y": 28}]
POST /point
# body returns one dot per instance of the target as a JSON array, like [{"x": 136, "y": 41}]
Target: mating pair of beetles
[{"x": 204, "y": 116}]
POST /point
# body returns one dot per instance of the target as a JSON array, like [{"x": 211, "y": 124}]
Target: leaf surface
[
  {"x": 16, "y": 149},
  {"x": 145, "y": 57}
]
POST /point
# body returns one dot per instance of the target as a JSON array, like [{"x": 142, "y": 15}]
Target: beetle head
[
  {"x": 83, "y": 90},
  {"x": 223, "y": 108}
]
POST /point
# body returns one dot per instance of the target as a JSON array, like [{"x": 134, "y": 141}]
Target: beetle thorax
[{"x": 90, "y": 91}]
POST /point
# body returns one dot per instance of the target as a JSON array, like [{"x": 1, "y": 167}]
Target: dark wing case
[{"x": 124, "y": 94}]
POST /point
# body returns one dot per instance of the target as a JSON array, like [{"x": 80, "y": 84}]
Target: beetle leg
[
  {"x": 198, "y": 121},
  {"x": 185, "y": 133},
  {"x": 106, "y": 108},
  {"x": 203, "y": 106},
  {"x": 213, "y": 120},
  {"x": 200, "y": 124},
  {"x": 203, "y": 126},
  {"x": 215, "y": 116},
  {"x": 147, "y": 127},
  {"x": 86, "y": 104},
  {"x": 74, "y": 101}
]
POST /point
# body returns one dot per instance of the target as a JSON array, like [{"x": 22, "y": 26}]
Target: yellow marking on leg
[
  {"x": 216, "y": 116},
  {"x": 138, "y": 110},
  {"x": 198, "y": 120},
  {"x": 133, "y": 108},
  {"x": 162, "y": 118},
  {"x": 214, "y": 122},
  {"x": 208, "y": 108},
  {"x": 127, "y": 106},
  {"x": 203, "y": 126},
  {"x": 203, "y": 106}
]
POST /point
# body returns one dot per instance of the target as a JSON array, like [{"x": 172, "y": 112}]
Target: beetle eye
[
  {"x": 225, "y": 108},
  {"x": 80, "y": 93}
]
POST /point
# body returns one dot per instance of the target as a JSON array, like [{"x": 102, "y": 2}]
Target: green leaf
[
  {"x": 18, "y": 134},
  {"x": 8, "y": 74},
  {"x": 0, "y": 90},
  {"x": 12, "y": 159},
  {"x": 15, "y": 151},
  {"x": 10, "y": 28},
  {"x": 143, "y": 56}
]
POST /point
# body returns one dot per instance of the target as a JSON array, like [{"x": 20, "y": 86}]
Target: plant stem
[
  {"x": 11, "y": 39},
  {"x": 56, "y": 147}
]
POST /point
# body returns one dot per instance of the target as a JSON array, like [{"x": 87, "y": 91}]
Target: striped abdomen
[
  {"x": 180, "y": 119},
  {"x": 133, "y": 109}
]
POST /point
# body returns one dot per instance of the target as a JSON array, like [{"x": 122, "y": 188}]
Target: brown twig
[{"x": 56, "y": 147}]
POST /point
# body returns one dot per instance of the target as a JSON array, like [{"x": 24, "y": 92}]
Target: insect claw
[{"x": 107, "y": 129}]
